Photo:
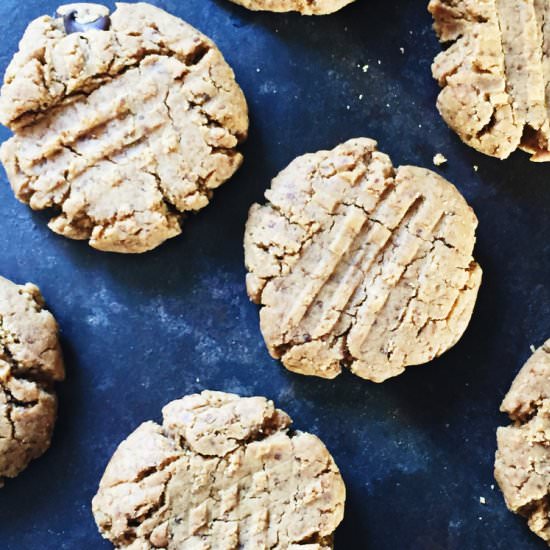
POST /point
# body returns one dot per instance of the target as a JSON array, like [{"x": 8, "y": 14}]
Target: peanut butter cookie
[
  {"x": 122, "y": 123},
  {"x": 495, "y": 73},
  {"x": 30, "y": 363},
  {"x": 305, "y": 7},
  {"x": 221, "y": 472},
  {"x": 357, "y": 264},
  {"x": 522, "y": 464}
]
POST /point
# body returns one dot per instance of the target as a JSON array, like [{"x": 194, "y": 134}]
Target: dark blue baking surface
[{"x": 138, "y": 331}]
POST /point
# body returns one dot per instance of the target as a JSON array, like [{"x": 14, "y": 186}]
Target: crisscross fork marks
[
  {"x": 495, "y": 74},
  {"x": 131, "y": 128},
  {"x": 382, "y": 274}
]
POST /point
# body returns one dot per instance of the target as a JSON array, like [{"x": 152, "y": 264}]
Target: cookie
[
  {"x": 305, "y": 7},
  {"x": 495, "y": 73},
  {"x": 358, "y": 264},
  {"x": 30, "y": 363},
  {"x": 222, "y": 472},
  {"x": 522, "y": 463},
  {"x": 121, "y": 125}
]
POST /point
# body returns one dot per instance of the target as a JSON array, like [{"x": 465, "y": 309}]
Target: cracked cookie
[
  {"x": 522, "y": 462},
  {"x": 358, "y": 264},
  {"x": 305, "y": 7},
  {"x": 222, "y": 472},
  {"x": 30, "y": 363},
  {"x": 495, "y": 73},
  {"x": 120, "y": 131}
]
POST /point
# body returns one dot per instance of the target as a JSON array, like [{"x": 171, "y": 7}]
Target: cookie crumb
[
  {"x": 439, "y": 159},
  {"x": 532, "y": 348}
]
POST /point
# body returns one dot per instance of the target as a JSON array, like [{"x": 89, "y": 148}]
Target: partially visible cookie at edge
[
  {"x": 305, "y": 7},
  {"x": 222, "y": 471},
  {"x": 30, "y": 364},
  {"x": 358, "y": 264},
  {"x": 522, "y": 462},
  {"x": 495, "y": 74},
  {"x": 120, "y": 131}
]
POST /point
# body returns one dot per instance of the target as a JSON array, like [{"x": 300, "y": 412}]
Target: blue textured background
[{"x": 416, "y": 452}]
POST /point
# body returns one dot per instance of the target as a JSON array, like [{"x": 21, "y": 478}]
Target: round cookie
[
  {"x": 522, "y": 462},
  {"x": 494, "y": 73},
  {"x": 305, "y": 7},
  {"x": 360, "y": 265},
  {"x": 123, "y": 130},
  {"x": 222, "y": 471},
  {"x": 30, "y": 363}
]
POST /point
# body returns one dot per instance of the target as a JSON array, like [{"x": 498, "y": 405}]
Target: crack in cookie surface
[
  {"x": 305, "y": 7},
  {"x": 30, "y": 363},
  {"x": 221, "y": 472},
  {"x": 522, "y": 462},
  {"x": 121, "y": 131},
  {"x": 495, "y": 74},
  {"x": 360, "y": 265}
]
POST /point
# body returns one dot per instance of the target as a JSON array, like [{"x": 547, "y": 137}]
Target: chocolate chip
[{"x": 70, "y": 20}]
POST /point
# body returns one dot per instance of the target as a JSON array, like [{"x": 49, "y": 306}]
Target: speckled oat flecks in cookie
[
  {"x": 120, "y": 131},
  {"x": 30, "y": 363},
  {"x": 222, "y": 473},
  {"x": 305, "y": 7},
  {"x": 357, "y": 264},
  {"x": 495, "y": 74},
  {"x": 522, "y": 464}
]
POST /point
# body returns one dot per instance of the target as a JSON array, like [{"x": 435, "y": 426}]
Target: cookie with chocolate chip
[
  {"x": 358, "y": 264},
  {"x": 30, "y": 364},
  {"x": 305, "y": 7},
  {"x": 522, "y": 463},
  {"x": 222, "y": 471},
  {"x": 122, "y": 123}
]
